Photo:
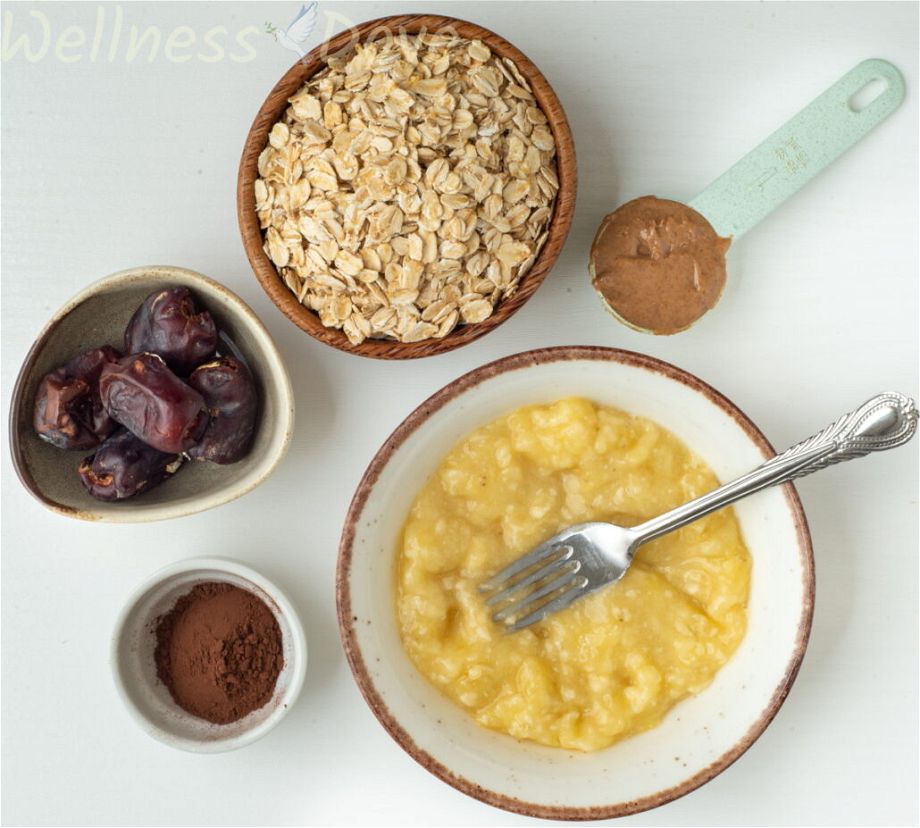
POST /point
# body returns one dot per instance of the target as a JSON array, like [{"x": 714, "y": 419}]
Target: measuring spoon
[{"x": 659, "y": 265}]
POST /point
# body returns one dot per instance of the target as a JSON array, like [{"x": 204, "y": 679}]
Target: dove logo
[{"x": 298, "y": 30}]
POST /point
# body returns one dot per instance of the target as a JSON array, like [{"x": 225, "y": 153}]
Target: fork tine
[
  {"x": 530, "y": 559},
  {"x": 519, "y": 607},
  {"x": 536, "y": 576},
  {"x": 558, "y": 603}
]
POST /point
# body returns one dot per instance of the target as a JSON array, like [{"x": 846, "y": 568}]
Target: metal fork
[{"x": 588, "y": 556}]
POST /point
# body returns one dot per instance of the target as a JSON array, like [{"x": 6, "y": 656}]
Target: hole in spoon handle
[{"x": 799, "y": 150}]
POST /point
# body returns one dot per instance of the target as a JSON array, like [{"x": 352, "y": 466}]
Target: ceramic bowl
[
  {"x": 147, "y": 698},
  {"x": 272, "y": 110},
  {"x": 702, "y": 735},
  {"x": 98, "y": 315}
]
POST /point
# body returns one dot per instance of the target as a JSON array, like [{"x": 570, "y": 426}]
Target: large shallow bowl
[
  {"x": 701, "y": 736},
  {"x": 98, "y": 316},
  {"x": 273, "y": 109}
]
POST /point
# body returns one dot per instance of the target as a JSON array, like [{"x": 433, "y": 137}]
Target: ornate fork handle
[{"x": 884, "y": 422}]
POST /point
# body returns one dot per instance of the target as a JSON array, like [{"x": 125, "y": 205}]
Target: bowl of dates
[{"x": 153, "y": 393}]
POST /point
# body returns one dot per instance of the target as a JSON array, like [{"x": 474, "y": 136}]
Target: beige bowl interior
[
  {"x": 701, "y": 735},
  {"x": 98, "y": 316}
]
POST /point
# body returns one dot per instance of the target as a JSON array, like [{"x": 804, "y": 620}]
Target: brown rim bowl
[
  {"x": 700, "y": 736},
  {"x": 272, "y": 110}
]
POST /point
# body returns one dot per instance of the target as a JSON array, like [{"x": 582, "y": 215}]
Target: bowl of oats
[{"x": 407, "y": 186}]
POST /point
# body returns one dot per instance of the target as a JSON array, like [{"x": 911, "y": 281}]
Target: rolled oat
[{"x": 408, "y": 187}]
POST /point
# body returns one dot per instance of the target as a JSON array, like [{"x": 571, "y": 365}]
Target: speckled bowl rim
[
  {"x": 283, "y": 606},
  {"x": 434, "y": 404},
  {"x": 167, "y": 512}
]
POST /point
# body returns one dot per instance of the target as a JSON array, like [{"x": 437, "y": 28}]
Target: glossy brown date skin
[
  {"x": 167, "y": 323},
  {"x": 68, "y": 411},
  {"x": 148, "y": 399},
  {"x": 125, "y": 466},
  {"x": 232, "y": 400}
]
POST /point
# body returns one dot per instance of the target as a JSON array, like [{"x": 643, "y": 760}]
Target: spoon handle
[
  {"x": 884, "y": 422},
  {"x": 799, "y": 150}
]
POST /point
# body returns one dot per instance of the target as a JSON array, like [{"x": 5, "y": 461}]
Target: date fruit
[
  {"x": 68, "y": 410},
  {"x": 167, "y": 324},
  {"x": 124, "y": 466},
  {"x": 230, "y": 394},
  {"x": 148, "y": 399}
]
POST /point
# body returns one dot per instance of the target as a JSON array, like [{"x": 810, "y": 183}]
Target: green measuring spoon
[
  {"x": 664, "y": 264},
  {"x": 794, "y": 154}
]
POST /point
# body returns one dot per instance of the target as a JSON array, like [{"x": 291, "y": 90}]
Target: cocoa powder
[{"x": 218, "y": 651}]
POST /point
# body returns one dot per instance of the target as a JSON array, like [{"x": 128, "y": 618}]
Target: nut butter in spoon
[{"x": 659, "y": 265}]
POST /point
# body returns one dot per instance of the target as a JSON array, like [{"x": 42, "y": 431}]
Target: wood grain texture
[{"x": 272, "y": 110}]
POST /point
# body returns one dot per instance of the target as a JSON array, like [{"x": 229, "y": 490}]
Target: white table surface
[{"x": 107, "y": 165}]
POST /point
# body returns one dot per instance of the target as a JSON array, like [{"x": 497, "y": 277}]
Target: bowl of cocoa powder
[{"x": 208, "y": 655}]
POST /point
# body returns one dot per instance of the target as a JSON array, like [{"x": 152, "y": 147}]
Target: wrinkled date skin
[
  {"x": 148, "y": 399},
  {"x": 230, "y": 395},
  {"x": 167, "y": 324},
  {"x": 125, "y": 466},
  {"x": 68, "y": 410}
]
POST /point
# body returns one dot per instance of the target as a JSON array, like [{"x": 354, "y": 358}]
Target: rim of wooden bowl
[{"x": 271, "y": 111}]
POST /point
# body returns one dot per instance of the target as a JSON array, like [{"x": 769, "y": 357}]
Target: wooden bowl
[{"x": 272, "y": 111}]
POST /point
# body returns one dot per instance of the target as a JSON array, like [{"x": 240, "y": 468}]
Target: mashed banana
[{"x": 613, "y": 663}]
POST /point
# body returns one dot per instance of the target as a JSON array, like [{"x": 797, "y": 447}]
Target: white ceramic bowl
[
  {"x": 98, "y": 315},
  {"x": 147, "y": 698},
  {"x": 702, "y": 735}
]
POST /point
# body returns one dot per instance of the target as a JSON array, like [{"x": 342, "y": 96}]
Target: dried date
[
  {"x": 148, "y": 399},
  {"x": 125, "y": 466},
  {"x": 68, "y": 410},
  {"x": 168, "y": 324},
  {"x": 229, "y": 392}
]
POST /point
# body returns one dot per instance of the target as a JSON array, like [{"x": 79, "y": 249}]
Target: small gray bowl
[{"x": 98, "y": 316}]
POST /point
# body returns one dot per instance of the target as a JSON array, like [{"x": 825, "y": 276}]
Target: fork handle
[{"x": 884, "y": 422}]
